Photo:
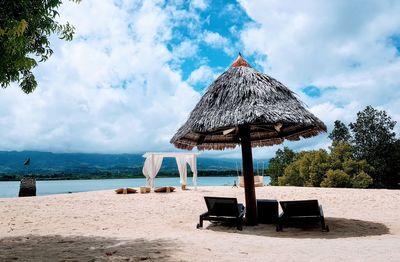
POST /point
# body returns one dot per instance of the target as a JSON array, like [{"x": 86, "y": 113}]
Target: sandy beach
[{"x": 104, "y": 226}]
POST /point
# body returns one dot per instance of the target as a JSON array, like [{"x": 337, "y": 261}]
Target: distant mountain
[{"x": 45, "y": 163}]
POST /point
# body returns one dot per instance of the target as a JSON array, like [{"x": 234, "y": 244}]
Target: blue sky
[{"x": 136, "y": 69}]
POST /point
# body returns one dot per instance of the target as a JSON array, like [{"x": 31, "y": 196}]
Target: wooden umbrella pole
[{"x": 247, "y": 160}]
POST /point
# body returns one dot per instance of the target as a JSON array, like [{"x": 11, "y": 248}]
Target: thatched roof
[{"x": 242, "y": 95}]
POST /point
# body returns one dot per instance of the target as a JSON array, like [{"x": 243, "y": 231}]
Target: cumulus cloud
[
  {"x": 186, "y": 48},
  {"x": 200, "y": 4},
  {"x": 215, "y": 40},
  {"x": 338, "y": 45},
  {"x": 109, "y": 90},
  {"x": 118, "y": 86},
  {"x": 202, "y": 75}
]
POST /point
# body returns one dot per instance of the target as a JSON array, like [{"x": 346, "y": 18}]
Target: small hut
[{"x": 248, "y": 108}]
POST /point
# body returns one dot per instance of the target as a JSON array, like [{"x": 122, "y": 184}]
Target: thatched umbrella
[{"x": 248, "y": 108}]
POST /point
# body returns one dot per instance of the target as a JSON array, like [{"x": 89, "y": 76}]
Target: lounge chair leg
[
  {"x": 200, "y": 224},
  {"x": 239, "y": 225},
  {"x": 324, "y": 226}
]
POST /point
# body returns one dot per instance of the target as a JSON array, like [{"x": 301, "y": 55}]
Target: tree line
[
  {"x": 112, "y": 175},
  {"x": 363, "y": 154}
]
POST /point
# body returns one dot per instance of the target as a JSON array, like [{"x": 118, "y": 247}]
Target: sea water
[{"x": 49, "y": 187}]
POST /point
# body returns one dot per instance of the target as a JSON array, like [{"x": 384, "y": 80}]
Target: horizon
[{"x": 134, "y": 71}]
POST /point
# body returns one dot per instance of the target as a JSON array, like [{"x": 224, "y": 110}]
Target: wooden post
[
  {"x": 248, "y": 175},
  {"x": 27, "y": 187}
]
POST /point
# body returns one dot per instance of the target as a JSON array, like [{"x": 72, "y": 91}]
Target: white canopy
[{"x": 153, "y": 162}]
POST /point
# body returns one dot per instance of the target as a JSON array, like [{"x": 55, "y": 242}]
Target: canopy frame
[{"x": 153, "y": 163}]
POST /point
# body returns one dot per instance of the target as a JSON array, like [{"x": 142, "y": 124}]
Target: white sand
[{"x": 103, "y": 226}]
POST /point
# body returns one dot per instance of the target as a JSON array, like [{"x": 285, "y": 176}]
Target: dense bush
[
  {"x": 292, "y": 176},
  {"x": 362, "y": 180},
  {"x": 278, "y": 164},
  {"x": 374, "y": 148},
  {"x": 354, "y": 167},
  {"x": 336, "y": 178},
  {"x": 338, "y": 168},
  {"x": 308, "y": 170},
  {"x": 367, "y": 155}
]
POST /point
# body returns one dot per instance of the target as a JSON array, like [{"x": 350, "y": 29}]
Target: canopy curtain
[
  {"x": 182, "y": 168},
  {"x": 151, "y": 167},
  {"x": 192, "y": 161}
]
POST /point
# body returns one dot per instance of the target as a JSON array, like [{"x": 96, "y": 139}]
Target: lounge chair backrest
[
  {"x": 222, "y": 206},
  {"x": 300, "y": 208}
]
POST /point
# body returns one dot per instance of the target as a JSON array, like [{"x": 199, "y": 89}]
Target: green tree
[
  {"x": 342, "y": 158},
  {"x": 340, "y": 152},
  {"x": 336, "y": 178},
  {"x": 308, "y": 170},
  {"x": 375, "y": 141},
  {"x": 292, "y": 176},
  {"x": 354, "y": 167},
  {"x": 25, "y": 29},
  {"x": 340, "y": 133},
  {"x": 392, "y": 169},
  {"x": 320, "y": 168},
  {"x": 317, "y": 163},
  {"x": 361, "y": 180},
  {"x": 278, "y": 164}
]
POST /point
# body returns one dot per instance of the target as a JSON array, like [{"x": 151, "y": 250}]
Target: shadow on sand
[
  {"x": 61, "y": 248},
  {"x": 339, "y": 228}
]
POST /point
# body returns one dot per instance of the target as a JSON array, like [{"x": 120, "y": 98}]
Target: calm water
[{"x": 11, "y": 189}]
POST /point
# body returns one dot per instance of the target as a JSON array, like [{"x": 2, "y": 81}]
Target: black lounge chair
[
  {"x": 301, "y": 213},
  {"x": 223, "y": 209}
]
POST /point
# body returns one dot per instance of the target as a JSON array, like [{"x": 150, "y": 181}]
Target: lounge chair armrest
[
  {"x": 242, "y": 213},
  {"x": 242, "y": 209},
  {"x": 321, "y": 211},
  {"x": 204, "y": 214}
]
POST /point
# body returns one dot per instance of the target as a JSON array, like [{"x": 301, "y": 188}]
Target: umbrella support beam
[{"x": 247, "y": 164}]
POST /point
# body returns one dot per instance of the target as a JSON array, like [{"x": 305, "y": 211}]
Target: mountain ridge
[{"x": 44, "y": 163}]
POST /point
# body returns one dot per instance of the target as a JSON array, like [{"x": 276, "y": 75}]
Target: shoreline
[
  {"x": 104, "y": 174},
  {"x": 94, "y": 178},
  {"x": 51, "y": 187}
]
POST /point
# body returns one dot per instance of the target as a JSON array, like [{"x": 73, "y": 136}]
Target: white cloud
[
  {"x": 109, "y": 90},
  {"x": 310, "y": 39},
  {"x": 215, "y": 40},
  {"x": 337, "y": 44},
  {"x": 117, "y": 87},
  {"x": 186, "y": 48},
  {"x": 199, "y": 4},
  {"x": 202, "y": 75}
]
